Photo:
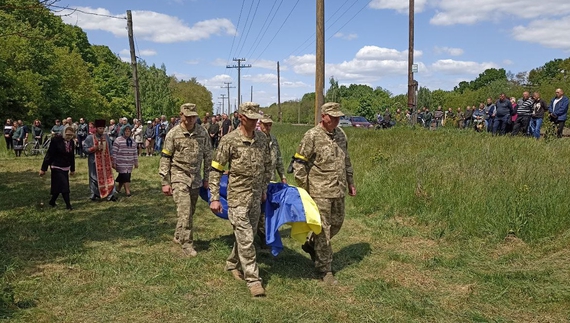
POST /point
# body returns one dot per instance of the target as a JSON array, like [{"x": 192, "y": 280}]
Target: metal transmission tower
[{"x": 239, "y": 66}]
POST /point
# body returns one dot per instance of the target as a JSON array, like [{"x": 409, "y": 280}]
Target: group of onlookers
[{"x": 499, "y": 117}]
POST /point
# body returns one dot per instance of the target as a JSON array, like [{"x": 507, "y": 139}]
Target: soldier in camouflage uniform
[
  {"x": 186, "y": 147},
  {"x": 322, "y": 167},
  {"x": 265, "y": 125},
  {"x": 246, "y": 153}
]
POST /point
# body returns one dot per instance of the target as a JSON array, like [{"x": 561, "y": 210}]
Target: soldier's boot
[
  {"x": 329, "y": 279},
  {"x": 310, "y": 249},
  {"x": 257, "y": 290},
  {"x": 189, "y": 251},
  {"x": 262, "y": 244},
  {"x": 238, "y": 275}
]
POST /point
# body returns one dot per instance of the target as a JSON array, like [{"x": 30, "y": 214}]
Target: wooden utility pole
[
  {"x": 228, "y": 87},
  {"x": 134, "y": 64},
  {"x": 412, "y": 84},
  {"x": 251, "y": 95},
  {"x": 278, "y": 93},
  {"x": 239, "y": 67},
  {"x": 320, "y": 60},
  {"x": 223, "y": 97}
]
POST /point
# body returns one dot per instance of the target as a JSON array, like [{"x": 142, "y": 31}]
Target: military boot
[
  {"x": 257, "y": 290},
  {"x": 329, "y": 279}
]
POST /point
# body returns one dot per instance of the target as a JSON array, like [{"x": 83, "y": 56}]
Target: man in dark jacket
[
  {"x": 504, "y": 112},
  {"x": 558, "y": 111},
  {"x": 524, "y": 113},
  {"x": 214, "y": 132},
  {"x": 538, "y": 109}
]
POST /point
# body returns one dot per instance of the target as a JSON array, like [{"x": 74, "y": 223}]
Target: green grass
[{"x": 425, "y": 240}]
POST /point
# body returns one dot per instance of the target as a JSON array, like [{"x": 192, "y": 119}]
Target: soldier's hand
[
  {"x": 167, "y": 190},
  {"x": 284, "y": 180},
  {"x": 352, "y": 190},
  {"x": 216, "y": 207},
  {"x": 263, "y": 197},
  {"x": 205, "y": 184}
]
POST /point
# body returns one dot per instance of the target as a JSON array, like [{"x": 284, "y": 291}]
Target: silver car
[{"x": 345, "y": 122}]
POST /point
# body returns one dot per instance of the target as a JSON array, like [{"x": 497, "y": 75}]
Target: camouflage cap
[
  {"x": 189, "y": 110},
  {"x": 332, "y": 109},
  {"x": 266, "y": 118},
  {"x": 250, "y": 110}
]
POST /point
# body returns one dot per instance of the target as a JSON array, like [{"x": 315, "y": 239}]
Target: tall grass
[{"x": 423, "y": 241}]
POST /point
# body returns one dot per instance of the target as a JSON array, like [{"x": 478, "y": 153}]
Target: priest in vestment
[{"x": 98, "y": 147}]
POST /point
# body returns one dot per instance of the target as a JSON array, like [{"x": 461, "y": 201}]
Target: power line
[
  {"x": 244, "y": 26},
  {"x": 251, "y": 24},
  {"x": 286, "y": 18},
  {"x": 267, "y": 28},
  {"x": 304, "y": 48},
  {"x": 237, "y": 27},
  {"x": 86, "y": 12},
  {"x": 262, "y": 29}
]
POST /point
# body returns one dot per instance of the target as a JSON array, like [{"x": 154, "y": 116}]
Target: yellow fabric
[
  {"x": 303, "y": 158},
  {"x": 300, "y": 230},
  {"x": 166, "y": 152},
  {"x": 217, "y": 166}
]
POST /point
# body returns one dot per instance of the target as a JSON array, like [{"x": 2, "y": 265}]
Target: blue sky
[{"x": 367, "y": 40}]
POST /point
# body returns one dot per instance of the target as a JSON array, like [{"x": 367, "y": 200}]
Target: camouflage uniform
[
  {"x": 180, "y": 165},
  {"x": 249, "y": 173},
  {"x": 323, "y": 168},
  {"x": 276, "y": 165}
]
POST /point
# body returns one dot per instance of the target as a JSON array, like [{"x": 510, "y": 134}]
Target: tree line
[{"x": 49, "y": 70}]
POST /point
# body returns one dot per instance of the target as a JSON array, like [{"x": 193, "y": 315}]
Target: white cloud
[
  {"x": 261, "y": 78},
  {"x": 508, "y": 62},
  {"x": 346, "y": 36},
  {"x": 370, "y": 64},
  {"x": 149, "y": 25},
  {"x": 214, "y": 83},
  {"x": 141, "y": 53},
  {"x": 451, "y": 12},
  {"x": 219, "y": 62},
  {"x": 192, "y": 62},
  {"x": 398, "y": 5},
  {"x": 453, "y": 67},
  {"x": 267, "y": 64},
  {"x": 298, "y": 84},
  {"x": 380, "y": 53},
  {"x": 546, "y": 33},
  {"x": 448, "y": 50}
]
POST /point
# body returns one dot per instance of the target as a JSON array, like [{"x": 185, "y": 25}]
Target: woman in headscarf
[
  {"x": 125, "y": 157},
  {"x": 61, "y": 157}
]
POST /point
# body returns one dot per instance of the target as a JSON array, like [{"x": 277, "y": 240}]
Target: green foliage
[{"x": 192, "y": 91}]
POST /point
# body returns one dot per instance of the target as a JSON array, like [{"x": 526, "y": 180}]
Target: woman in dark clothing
[
  {"x": 37, "y": 131},
  {"x": 8, "y": 134},
  {"x": 61, "y": 157},
  {"x": 18, "y": 136}
]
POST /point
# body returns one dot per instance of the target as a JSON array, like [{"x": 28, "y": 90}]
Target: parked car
[
  {"x": 344, "y": 122},
  {"x": 360, "y": 122}
]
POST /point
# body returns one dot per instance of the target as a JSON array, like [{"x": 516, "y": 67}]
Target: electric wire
[
  {"x": 86, "y": 12},
  {"x": 251, "y": 24},
  {"x": 261, "y": 30}
]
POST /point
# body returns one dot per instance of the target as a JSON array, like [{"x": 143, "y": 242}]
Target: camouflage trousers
[
  {"x": 185, "y": 199},
  {"x": 332, "y": 217},
  {"x": 243, "y": 257}
]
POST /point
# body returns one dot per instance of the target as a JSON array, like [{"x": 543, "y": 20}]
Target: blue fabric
[{"x": 205, "y": 195}]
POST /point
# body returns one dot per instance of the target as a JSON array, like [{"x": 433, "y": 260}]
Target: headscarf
[{"x": 122, "y": 133}]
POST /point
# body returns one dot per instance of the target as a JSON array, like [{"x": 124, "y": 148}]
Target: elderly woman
[
  {"x": 61, "y": 157},
  {"x": 138, "y": 136},
  {"x": 18, "y": 136},
  {"x": 125, "y": 157}
]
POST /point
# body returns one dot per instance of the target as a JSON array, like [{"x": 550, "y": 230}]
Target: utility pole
[
  {"x": 239, "y": 67},
  {"x": 412, "y": 84},
  {"x": 228, "y": 87},
  {"x": 320, "y": 60},
  {"x": 278, "y": 93},
  {"x": 134, "y": 65},
  {"x": 223, "y": 97},
  {"x": 251, "y": 95},
  {"x": 219, "y": 106}
]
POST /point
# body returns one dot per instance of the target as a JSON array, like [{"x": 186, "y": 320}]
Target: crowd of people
[{"x": 501, "y": 116}]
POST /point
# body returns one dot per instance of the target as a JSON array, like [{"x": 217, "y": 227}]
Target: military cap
[
  {"x": 266, "y": 118},
  {"x": 250, "y": 110},
  {"x": 189, "y": 110},
  {"x": 332, "y": 109}
]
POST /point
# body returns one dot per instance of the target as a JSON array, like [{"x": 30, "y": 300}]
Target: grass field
[{"x": 447, "y": 226}]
